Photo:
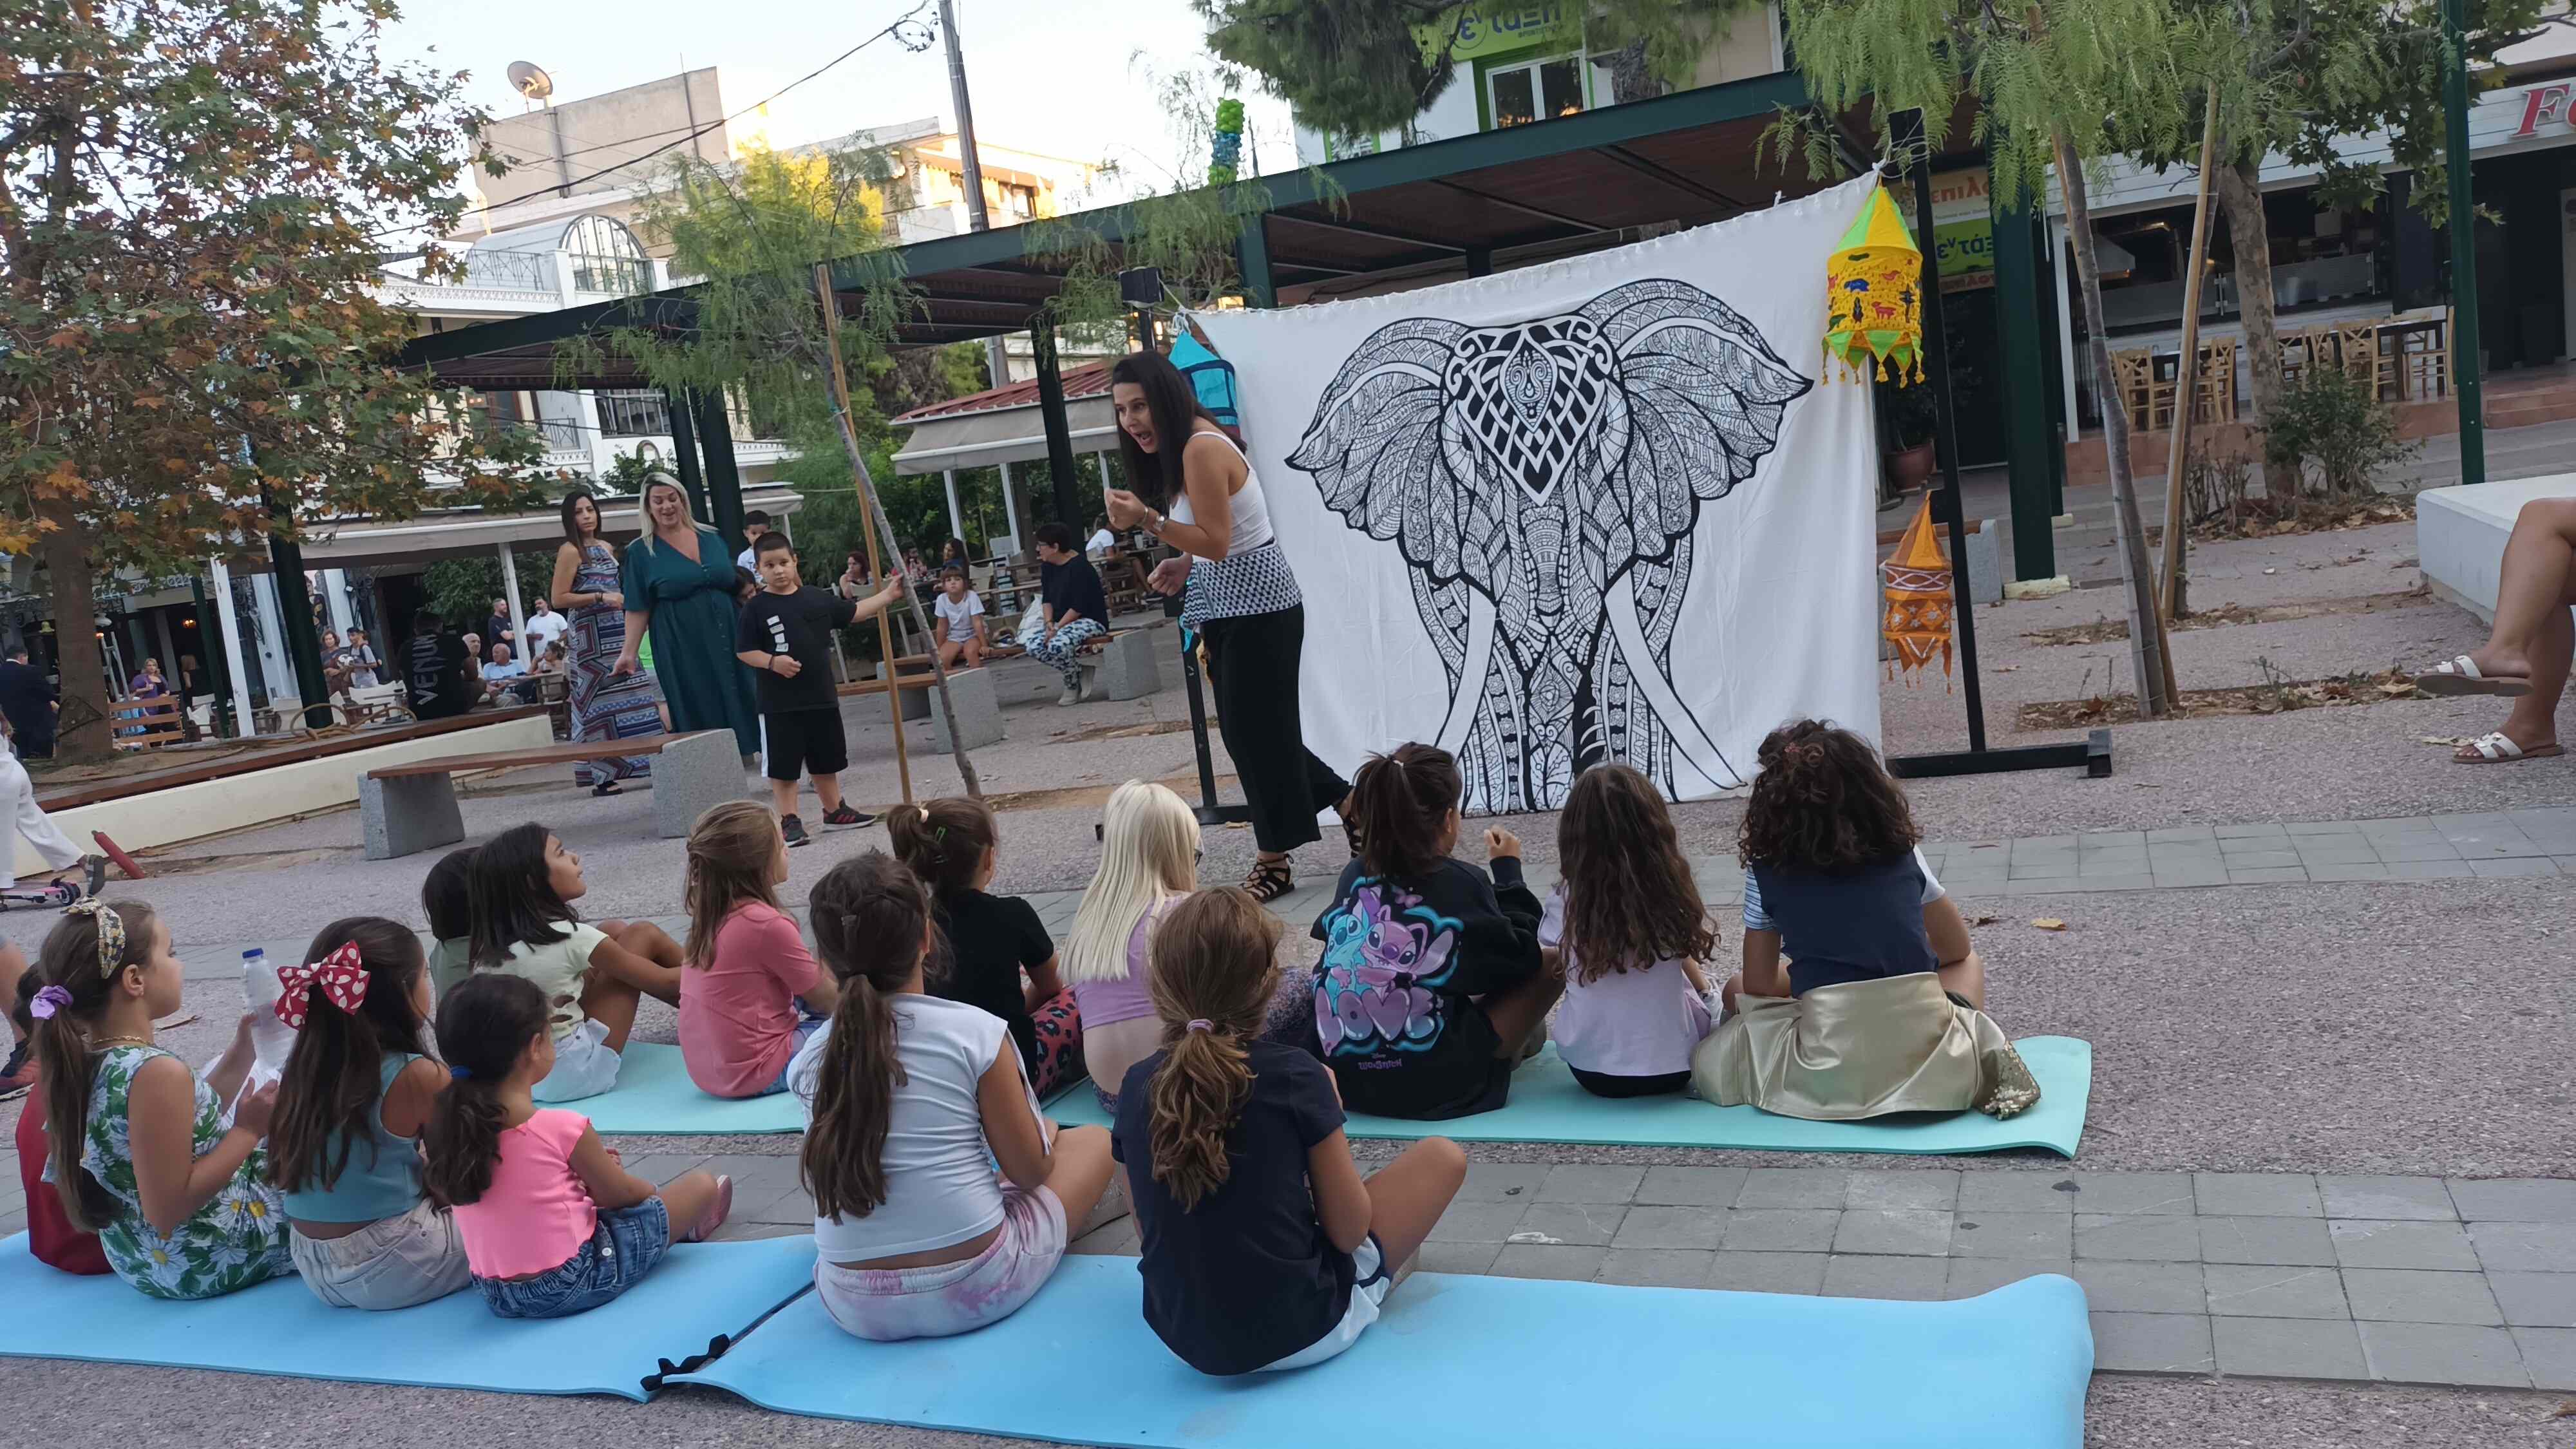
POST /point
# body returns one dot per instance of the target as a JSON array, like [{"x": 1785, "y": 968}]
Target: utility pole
[
  {"x": 997, "y": 357},
  {"x": 2467, "y": 366}
]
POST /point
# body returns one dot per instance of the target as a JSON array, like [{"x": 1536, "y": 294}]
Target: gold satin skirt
[{"x": 1863, "y": 1049}]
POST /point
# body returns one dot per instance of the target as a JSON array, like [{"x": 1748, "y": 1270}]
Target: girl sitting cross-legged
[
  {"x": 1630, "y": 933},
  {"x": 142, "y": 1153},
  {"x": 524, "y": 883},
  {"x": 749, "y": 971},
  {"x": 447, "y": 903},
  {"x": 998, "y": 955},
  {"x": 910, "y": 1102},
  {"x": 1149, "y": 858},
  {"x": 1432, "y": 985},
  {"x": 553, "y": 1222},
  {"x": 350, "y": 1109},
  {"x": 1262, "y": 1246}
]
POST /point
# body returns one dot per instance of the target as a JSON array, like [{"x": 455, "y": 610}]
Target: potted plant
[{"x": 1912, "y": 421}]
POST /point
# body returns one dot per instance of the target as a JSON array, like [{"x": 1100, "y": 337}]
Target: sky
[{"x": 1050, "y": 76}]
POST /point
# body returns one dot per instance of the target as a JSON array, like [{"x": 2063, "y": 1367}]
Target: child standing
[
  {"x": 1432, "y": 985},
  {"x": 350, "y": 1108},
  {"x": 961, "y": 616},
  {"x": 553, "y": 1223},
  {"x": 180, "y": 1201},
  {"x": 447, "y": 900},
  {"x": 1245, "y": 1191},
  {"x": 910, "y": 1103},
  {"x": 523, "y": 885},
  {"x": 785, "y": 633},
  {"x": 1630, "y": 932},
  {"x": 748, "y": 966},
  {"x": 954, "y": 847},
  {"x": 1149, "y": 858}
]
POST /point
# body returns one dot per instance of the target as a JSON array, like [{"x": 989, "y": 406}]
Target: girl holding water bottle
[{"x": 271, "y": 1039}]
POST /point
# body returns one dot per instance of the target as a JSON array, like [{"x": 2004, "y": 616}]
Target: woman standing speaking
[
  {"x": 1197, "y": 492},
  {"x": 679, "y": 582}
]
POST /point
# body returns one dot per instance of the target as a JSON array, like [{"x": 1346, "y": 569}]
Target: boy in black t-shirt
[{"x": 785, "y": 634}]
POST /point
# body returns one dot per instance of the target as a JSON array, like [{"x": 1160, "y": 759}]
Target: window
[
  {"x": 1019, "y": 201},
  {"x": 633, "y": 415},
  {"x": 606, "y": 257},
  {"x": 1540, "y": 89}
]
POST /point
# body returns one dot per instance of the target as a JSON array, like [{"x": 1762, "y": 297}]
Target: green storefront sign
[{"x": 1480, "y": 31}]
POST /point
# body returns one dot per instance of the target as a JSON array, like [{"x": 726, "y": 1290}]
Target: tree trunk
[
  {"x": 81, "y": 733},
  {"x": 2146, "y": 625},
  {"x": 2241, "y": 197}
]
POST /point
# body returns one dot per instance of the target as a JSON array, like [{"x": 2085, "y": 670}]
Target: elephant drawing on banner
[{"x": 1543, "y": 480}]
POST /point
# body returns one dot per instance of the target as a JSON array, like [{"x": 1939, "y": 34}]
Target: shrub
[{"x": 2336, "y": 432}]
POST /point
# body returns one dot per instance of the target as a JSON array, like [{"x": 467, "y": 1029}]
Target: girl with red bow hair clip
[{"x": 344, "y": 1141}]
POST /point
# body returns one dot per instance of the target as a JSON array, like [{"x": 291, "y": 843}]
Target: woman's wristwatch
[{"x": 1154, "y": 523}]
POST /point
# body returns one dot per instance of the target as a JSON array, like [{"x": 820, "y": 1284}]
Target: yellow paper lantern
[
  {"x": 1919, "y": 602},
  {"x": 1875, "y": 312}
]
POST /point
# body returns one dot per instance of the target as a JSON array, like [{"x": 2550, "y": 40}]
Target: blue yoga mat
[
  {"x": 655, "y": 1097},
  {"x": 700, "y": 1292},
  {"x": 1468, "y": 1362},
  {"x": 1546, "y": 1106}
]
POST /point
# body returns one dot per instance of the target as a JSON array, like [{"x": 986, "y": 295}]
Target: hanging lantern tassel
[
  {"x": 1874, "y": 317},
  {"x": 1919, "y": 604}
]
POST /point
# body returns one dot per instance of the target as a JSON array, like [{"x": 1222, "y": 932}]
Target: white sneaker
[{"x": 1072, "y": 695}]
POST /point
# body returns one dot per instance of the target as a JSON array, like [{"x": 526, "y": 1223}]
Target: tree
[
  {"x": 1373, "y": 65},
  {"x": 191, "y": 196},
  {"x": 2043, "y": 77}
]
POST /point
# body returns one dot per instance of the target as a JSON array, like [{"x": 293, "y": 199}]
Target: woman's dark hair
[
  {"x": 943, "y": 842},
  {"x": 955, "y": 548},
  {"x": 69, "y": 959},
  {"x": 1156, "y": 477},
  {"x": 1629, "y": 897},
  {"x": 1214, "y": 960},
  {"x": 513, "y": 896},
  {"x": 869, "y": 913},
  {"x": 571, "y": 530},
  {"x": 1823, "y": 802},
  {"x": 483, "y": 1026},
  {"x": 447, "y": 895},
  {"x": 1400, "y": 801},
  {"x": 335, "y": 1071}
]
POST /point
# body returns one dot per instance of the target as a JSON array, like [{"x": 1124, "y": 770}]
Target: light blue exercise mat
[
  {"x": 654, "y": 1097},
  {"x": 1546, "y": 1106},
  {"x": 1469, "y": 1363},
  {"x": 699, "y": 1294}
]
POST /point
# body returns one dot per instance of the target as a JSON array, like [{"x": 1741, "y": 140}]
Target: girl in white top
[
  {"x": 961, "y": 614},
  {"x": 1629, "y": 931},
  {"x": 910, "y": 1102}
]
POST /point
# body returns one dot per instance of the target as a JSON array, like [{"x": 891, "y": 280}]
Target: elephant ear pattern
[{"x": 1543, "y": 480}]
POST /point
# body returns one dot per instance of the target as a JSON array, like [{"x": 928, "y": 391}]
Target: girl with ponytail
[
  {"x": 1243, "y": 1182},
  {"x": 1833, "y": 879},
  {"x": 553, "y": 1222},
  {"x": 911, "y": 1100},
  {"x": 143, "y": 1157},
  {"x": 994, "y": 951},
  {"x": 351, "y": 1105}
]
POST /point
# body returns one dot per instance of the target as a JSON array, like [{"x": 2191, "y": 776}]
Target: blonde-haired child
[
  {"x": 748, "y": 967},
  {"x": 1149, "y": 858}
]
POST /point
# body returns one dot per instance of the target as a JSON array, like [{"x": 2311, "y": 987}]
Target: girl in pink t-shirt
[
  {"x": 553, "y": 1222},
  {"x": 748, "y": 968}
]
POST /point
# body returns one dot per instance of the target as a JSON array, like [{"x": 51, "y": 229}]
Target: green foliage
[
  {"x": 2332, "y": 427},
  {"x": 462, "y": 589}
]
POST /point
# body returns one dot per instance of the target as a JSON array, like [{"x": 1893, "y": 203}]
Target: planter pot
[{"x": 1911, "y": 468}]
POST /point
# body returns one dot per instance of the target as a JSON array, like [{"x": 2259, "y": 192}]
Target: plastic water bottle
[{"x": 271, "y": 1039}]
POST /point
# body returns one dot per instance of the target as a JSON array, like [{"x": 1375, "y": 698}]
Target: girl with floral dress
[
  {"x": 143, "y": 1155},
  {"x": 605, "y": 705}
]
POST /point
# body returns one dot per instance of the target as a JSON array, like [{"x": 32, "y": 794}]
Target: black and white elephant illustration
[{"x": 1542, "y": 480}]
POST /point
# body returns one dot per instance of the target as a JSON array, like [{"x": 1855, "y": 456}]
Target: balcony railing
[{"x": 518, "y": 271}]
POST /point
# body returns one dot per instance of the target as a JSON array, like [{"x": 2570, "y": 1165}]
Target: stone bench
[
  {"x": 979, "y": 711},
  {"x": 1120, "y": 665},
  {"x": 411, "y": 807},
  {"x": 2460, "y": 534}
]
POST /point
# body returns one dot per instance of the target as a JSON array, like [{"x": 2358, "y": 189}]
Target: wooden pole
[
  {"x": 2169, "y": 600},
  {"x": 871, "y": 506}
]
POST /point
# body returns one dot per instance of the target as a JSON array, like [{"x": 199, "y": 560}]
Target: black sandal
[
  {"x": 606, "y": 788},
  {"x": 1269, "y": 881}
]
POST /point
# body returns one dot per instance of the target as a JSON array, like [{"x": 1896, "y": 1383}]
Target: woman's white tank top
[{"x": 1251, "y": 512}]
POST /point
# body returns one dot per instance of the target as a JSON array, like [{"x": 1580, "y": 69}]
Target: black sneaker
[
  {"x": 845, "y": 815},
  {"x": 794, "y": 830},
  {"x": 19, "y": 1074}
]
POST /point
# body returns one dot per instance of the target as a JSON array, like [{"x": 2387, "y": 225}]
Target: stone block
[
  {"x": 916, "y": 702},
  {"x": 693, "y": 774},
  {"x": 409, "y": 814},
  {"x": 1126, "y": 667},
  {"x": 979, "y": 711}
]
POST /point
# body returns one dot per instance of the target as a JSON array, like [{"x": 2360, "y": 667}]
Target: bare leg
[
  {"x": 611, "y": 1003},
  {"x": 1517, "y": 1014},
  {"x": 687, "y": 1198},
  {"x": 2533, "y": 584},
  {"x": 650, "y": 963},
  {"x": 1966, "y": 979},
  {"x": 827, "y": 788},
  {"x": 1726, "y": 994},
  {"x": 13, "y": 967},
  {"x": 1080, "y": 1172},
  {"x": 1409, "y": 1194},
  {"x": 2533, "y": 722},
  {"x": 782, "y": 797}
]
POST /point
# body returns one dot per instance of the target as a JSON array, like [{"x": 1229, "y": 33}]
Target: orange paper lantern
[{"x": 1919, "y": 603}]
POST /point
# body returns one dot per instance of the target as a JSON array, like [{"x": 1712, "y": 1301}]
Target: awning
[
  {"x": 1005, "y": 425},
  {"x": 466, "y": 532}
]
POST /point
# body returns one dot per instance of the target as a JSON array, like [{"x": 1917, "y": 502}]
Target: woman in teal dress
[{"x": 679, "y": 583}]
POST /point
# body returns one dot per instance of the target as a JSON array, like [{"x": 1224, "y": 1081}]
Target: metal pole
[
  {"x": 225, "y": 613},
  {"x": 518, "y": 610},
  {"x": 956, "y": 525},
  {"x": 997, "y": 359},
  {"x": 2468, "y": 362},
  {"x": 1950, "y": 507}
]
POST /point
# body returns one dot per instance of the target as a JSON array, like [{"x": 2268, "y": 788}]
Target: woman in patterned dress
[{"x": 606, "y": 705}]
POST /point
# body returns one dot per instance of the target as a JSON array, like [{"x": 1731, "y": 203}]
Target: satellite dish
[{"x": 531, "y": 80}]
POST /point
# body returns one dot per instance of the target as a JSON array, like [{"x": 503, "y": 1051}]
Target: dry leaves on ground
[
  {"x": 2259, "y": 519},
  {"x": 2049, "y": 923},
  {"x": 2107, "y": 630},
  {"x": 2276, "y": 697}
]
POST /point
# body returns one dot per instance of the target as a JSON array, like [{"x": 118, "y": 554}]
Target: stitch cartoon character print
[{"x": 1383, "y": 950}]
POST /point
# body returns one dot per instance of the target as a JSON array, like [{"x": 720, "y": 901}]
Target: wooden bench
[
  {"x": 411, "y": 808},
  {"x": 147, "y": 723}
]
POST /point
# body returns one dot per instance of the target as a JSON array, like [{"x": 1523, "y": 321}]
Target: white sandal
[
  {"x": 2495, "y": 749},
  {"x": 2459, "y": 675}
]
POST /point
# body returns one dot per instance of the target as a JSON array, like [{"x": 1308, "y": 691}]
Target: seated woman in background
[
  {"x": 2527, "y": 653},
  {"x": 1879, "y": 1006},
  {"x": 1149, "y": 858}
]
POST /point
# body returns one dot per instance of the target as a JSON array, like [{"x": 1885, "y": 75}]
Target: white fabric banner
[{"x": 1608, "y": 507}]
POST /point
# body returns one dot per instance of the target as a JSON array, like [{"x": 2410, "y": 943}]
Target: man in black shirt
[
  {"x": 497, "y": 630},
  {"x": 27, "y": 697},
  {"x": 785, "y": 634},
  {"x": 435, "y": 669},
  {"x": 1073, "y": 609}
]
